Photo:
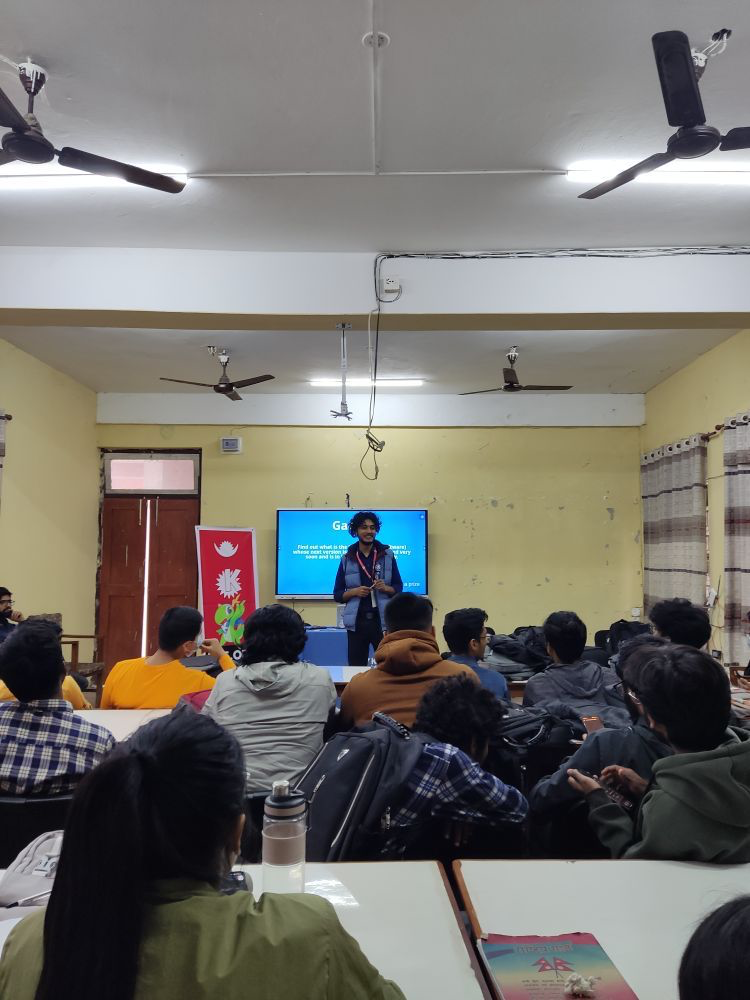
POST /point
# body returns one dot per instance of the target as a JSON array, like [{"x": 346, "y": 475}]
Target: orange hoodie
[{"x": 407, "y": 663}]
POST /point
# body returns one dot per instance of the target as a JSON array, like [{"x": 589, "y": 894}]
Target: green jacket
[
  {"x": 697, "y": 808},
  {"x": 201, "y": 945}
]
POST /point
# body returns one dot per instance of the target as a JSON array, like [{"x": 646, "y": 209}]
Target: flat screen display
[{"x": 310, "y": 542}]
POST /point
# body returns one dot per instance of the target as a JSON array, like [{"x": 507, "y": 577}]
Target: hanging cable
[{"x": 374, "y": 446}]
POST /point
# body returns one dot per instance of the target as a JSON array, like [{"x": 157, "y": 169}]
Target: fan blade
[
  {"x": 251, "y": 381},
  {"x": 679, "y": 85},
  {"x": 476, "y": 392},
  {"x": 91, "y": 164},
  {"x": 232, "y": 395},
  {"x": 651, "y": 163},
  {"x": 545, "y": 388},
  {"x": 5, "y": 158},
  {"x": 736, "y": 138},
  {"x": 511, "y": 376},
  {"x": 182, "y": 381},
  {"x": 10, "y": 116}
]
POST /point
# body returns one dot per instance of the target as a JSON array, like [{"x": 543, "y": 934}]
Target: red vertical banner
[{"x": 227, "y": 580}]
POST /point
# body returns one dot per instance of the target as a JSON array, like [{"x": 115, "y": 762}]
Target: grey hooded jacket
[
  {"x": 584, "y": 686},
  {"x": 277, "y": 711}
]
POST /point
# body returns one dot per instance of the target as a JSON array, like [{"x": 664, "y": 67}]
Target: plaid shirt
[
  {"x": 45, "y": 748},
  {"x": 447, "y": 782}
]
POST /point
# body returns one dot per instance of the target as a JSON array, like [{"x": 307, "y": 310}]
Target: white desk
[
  {"x": 405, "y": 919},
  {"x": 341, "y": 675},
  {"x": 641, "y": 912},
  {"x": 122, "y": 722}
]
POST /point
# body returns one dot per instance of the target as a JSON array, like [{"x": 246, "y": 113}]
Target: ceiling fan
[
  {"x": 26, "y": 142},
  {"x": 225, "y": 386},
  {"x": 511, "y": 383},
  {"x": 679, "y": 70}
]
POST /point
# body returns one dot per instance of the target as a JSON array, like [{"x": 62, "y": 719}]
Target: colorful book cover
[{"x": 536, "y": 968}]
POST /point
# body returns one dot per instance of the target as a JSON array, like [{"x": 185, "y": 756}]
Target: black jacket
[{"x": 635, "y": 746}]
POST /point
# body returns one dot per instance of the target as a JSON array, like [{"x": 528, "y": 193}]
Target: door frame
[{"x": 145, "y": 496}]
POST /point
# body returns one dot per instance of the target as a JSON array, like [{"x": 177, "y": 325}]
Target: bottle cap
[{"x": 283, "y": 803}]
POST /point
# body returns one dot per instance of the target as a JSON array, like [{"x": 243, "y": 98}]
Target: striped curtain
[
  {"x": 736, "y": 539},
  {"x": 673, "y": 490}
]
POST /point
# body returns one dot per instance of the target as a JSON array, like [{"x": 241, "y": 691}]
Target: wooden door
[
  {"x": 173, "y": 564},
  {"x": 121, "y": 578}
]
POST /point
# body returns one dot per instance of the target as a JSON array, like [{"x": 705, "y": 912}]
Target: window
[{"x": 156, "y": 473}]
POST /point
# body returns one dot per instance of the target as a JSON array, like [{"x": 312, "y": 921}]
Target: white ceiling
[
  {"x": 285, "y": 86},
  {"x": 592, "y": 361}
]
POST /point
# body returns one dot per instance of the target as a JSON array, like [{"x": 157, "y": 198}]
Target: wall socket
[
  {"x": 390, "y": 286},
  {"x": 635, "y": 612}
]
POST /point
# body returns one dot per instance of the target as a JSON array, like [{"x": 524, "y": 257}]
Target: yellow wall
[
  {"x": 49, "y": 501},
  {"x": 695, "y": 399},
  {"x": 523, "y": 521}
]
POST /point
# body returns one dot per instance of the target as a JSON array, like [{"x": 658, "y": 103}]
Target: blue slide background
[{"x": 313, "y": 570}]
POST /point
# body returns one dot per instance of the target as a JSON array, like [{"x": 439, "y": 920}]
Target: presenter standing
[{"x": 367, "y": 579}]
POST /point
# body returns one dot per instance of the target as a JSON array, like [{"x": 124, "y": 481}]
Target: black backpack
[
  {"x": 621, "y": 630},
  {"x": 354, "y": 786},
  {"x": 530, "y": 742},
  {"x": 526, "y": 647}
]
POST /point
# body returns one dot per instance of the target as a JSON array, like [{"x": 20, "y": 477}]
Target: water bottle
[{"x": 284, "y": 829}]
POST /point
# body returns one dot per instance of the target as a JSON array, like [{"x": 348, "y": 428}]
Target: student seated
[
  {"x": 552, "y": 800},
  {"x": 408, "y": 662},
  {"x": 465, "y": 633},
  {"x": 45, "y": 748},
  {"x": 697, "y": 806},
  {"x": 160, "y": 680},
  {"x": 150, "y": 835},
  {"x": 715, "y": 964},
  {"x": 681, "y": 622},
  {"x": 276, "y": 705},
  {"x": 8, "y": 617},
  {"x": 587, "y": 687},
  {"x": 448, "y": 780}
]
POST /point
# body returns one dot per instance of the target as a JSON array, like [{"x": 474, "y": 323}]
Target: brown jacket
[{"x": 407, "y": 663}]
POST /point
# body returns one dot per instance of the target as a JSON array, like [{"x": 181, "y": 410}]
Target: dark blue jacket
[
  {"x": 490, "y": 679},
  {"x": 6, "y": 628}
]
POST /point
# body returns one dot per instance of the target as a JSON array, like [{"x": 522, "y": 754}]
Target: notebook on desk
[{"x": 530, "y": 967}]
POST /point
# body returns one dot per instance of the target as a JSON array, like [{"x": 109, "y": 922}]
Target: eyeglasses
[
  {"x": 7, "y": 600},
  {"x": 623, "y": 690}
]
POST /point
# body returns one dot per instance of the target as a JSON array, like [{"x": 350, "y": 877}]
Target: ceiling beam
[{"x": 394, "y": 322}]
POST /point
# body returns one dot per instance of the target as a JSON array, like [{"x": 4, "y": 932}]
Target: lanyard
[{"x": 370, "y": 576}]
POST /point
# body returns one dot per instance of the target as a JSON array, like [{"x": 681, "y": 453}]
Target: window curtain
[
  {"x": 736, "y": 539},
  {"x": 673, "y": 490}
]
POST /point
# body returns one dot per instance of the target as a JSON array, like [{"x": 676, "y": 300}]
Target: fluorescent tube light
[
  {"x": 715, "y": 171},
  {"x": 366, "y": 383},
  {"x": 17, "y": 176}
]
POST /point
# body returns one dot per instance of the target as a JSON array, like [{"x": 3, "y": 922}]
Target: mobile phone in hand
[{"x": 610, "y": 791}]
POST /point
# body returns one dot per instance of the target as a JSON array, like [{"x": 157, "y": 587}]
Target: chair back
[
  {"x": 23, "y": 819},
  {"x": 252, "y": 836}
]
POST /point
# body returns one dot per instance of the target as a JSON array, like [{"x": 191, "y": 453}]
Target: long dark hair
[{"x": 161, "y": 805}]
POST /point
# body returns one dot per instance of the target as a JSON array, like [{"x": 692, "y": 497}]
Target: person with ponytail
[{"x": 151, "y": 832}]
